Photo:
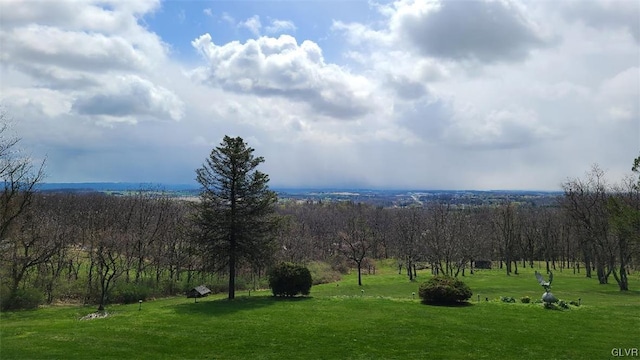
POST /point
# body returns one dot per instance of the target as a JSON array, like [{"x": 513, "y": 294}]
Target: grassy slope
[{"x": 342, "y": 322}]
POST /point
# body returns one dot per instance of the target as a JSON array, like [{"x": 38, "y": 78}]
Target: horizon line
[{"x": 193, "y": 186}]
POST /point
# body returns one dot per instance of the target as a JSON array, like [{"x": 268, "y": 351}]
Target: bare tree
[
  {"x": 507, "y": 228},
  {"x": 109, "y": 235},
  {"x": 409, "y": 230},
  {"x": 381, "y": 226},
  {"x": 624, "y": 210},
  {"x": 34, "y": 240},
  {"x": 18, "y": 175},
  {"x": 295, "y": 240},
  {"x": 469, "y": 234},
  {"x": 356, "y": 237},
  {"x": 585, "y": 201},
  {"x": 149, "y": 211},
  {"x": 19, "y": 178}
]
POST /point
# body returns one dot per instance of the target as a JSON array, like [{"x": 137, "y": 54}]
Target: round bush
[
  {"x": 444, "y": 290},
  {"x": 289, "y": 279}
]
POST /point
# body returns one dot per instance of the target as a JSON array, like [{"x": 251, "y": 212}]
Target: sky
[{"x": 513, "y": 95}]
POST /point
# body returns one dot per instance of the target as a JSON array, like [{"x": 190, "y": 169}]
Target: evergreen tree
[{"x": 235, "y": 217}]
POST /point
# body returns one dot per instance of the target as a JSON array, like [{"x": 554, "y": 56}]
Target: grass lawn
[{"x": 339, "y": 321}]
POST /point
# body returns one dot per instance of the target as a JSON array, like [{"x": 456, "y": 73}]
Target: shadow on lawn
[{"x": 224, "y": 306}]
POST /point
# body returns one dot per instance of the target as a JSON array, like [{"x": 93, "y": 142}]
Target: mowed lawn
[{"x": 340, "y": 321}]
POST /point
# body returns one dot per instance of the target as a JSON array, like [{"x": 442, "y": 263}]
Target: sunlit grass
[{"x": 340, "y": 321}]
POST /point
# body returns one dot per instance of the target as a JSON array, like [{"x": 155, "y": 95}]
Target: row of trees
[
  {"x": 82, "y": 245},
  {"x": 451, "y": 239},
  {"x": 78, "y": 245}
]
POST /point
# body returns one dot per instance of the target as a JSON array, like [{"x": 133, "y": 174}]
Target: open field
[{"x": 339, "y": 321}]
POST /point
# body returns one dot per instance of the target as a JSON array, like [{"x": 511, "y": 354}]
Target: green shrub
[
  {"x": 525, "y": 299},
  {"x": 563, "y": 304},
  {"x": 289, "y": 279},
  {"x": 322, "y": 273},
  {"x": 29, "y": 298},
  {"x": 168, "y": 287},
  {"x": 217, "y": 287},
  {"x": 507, "y": 299},
  {"x": 444, "y": 290},
  {"x": 129, "y": 293},
  {"x": 560, "y": 305}
]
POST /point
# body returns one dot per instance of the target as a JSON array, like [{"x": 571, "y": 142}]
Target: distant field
[
  {"x": 379, "y": 197},
  {"x": 339, "y": 321}
]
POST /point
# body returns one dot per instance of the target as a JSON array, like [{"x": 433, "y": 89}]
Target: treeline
[{"x": 96, "y": 248}]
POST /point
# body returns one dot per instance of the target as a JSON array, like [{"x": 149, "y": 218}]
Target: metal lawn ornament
[{"x": 547, "y": 297}]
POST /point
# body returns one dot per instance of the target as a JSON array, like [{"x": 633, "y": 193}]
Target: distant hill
[{"x": 114, "y": 186}]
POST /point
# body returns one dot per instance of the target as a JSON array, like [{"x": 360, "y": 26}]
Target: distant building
[{"x": 198, "y": 292}]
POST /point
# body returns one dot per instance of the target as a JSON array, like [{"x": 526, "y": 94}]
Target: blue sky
[
  {"x": 179, "y": 22},
  {"x": 424, "y": 94}
]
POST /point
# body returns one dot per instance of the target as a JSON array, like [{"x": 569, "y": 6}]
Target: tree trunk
[
  {"x": 232, "y": 274},
  {"x": 622, "y": 280},
  {"x": 587, "y": 266}
]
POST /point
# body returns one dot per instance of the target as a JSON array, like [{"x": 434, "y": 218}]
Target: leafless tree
[
  {"x": 355, "y": 235},
  {"x": 409, "y": 229},
  {"x": 19, "y": 178},
  {"x": 508, "y": 232},
  {"x": 585, "y": 201},
  {"x": 624, "y": 210},
  {"x": 33, "y": 241}
]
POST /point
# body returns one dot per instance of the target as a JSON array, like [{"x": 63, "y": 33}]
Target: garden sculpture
[{"x": 547, "y": 297}]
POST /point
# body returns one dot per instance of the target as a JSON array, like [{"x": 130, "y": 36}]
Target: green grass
[{"x": 339, "y": 321}]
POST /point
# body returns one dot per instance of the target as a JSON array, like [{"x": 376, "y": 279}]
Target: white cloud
[
  {"x": 94, "y": 55},
  {"x": 228, "y": 19},
  {"x": 485, "y": 31},
  {"x": 280, "y": 26},
  {"x": 36, "y": 102},
  {"x": 490, "y": 94},
  {"x": 77, "y": 50},
  {"x": 109, "y": 16},
  {"x": 469, "y": 30},
  {"x": 605, "y": 14},
  {"x": 280, "y": 67},
  {"x": 253, "y": 24},
  {"x": 505, "y": 128},
  {"x": 128, "y": 97},
  {"x": 618, "y": 96}
]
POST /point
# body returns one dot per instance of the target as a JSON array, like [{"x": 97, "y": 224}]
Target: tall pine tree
[{"x": 235, "y": 217}]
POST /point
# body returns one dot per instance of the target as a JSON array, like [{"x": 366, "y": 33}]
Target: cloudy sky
[{"x": 407, "y": 94}]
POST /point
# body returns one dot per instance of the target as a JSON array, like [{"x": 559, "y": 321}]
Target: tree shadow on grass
[{"x": 220, "y": 307}]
